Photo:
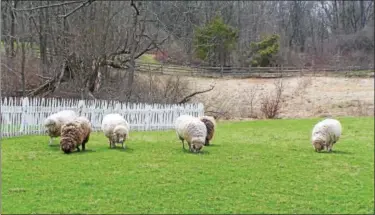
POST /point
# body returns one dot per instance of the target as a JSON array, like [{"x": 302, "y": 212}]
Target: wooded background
[{"x": 70, "y": 48}]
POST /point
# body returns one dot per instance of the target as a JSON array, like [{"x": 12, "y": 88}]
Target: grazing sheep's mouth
[
  {"x": 66, "y": 150},
  {"x": 195, "y": 150}
]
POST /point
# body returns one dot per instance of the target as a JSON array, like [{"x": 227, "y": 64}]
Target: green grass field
[{"x": 252, "y": 167}]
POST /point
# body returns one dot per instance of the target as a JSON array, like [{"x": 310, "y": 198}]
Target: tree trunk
[
  {"x": 363, "y": 14},
  {"x": 343, "y": 17},
  {"x": 335, "y": 18},
  {"x": 23, "y": 58},
  {"x": 133, "y": 49},
  {"x": 23, "y": 68},
  {"x": 12, "y": 29},
  {"x": 42, "y": 45},
  {"x": 5, "y": 30}
]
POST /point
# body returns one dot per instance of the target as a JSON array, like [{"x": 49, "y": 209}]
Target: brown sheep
[
  {"x": 210, "y": 125},
  {"x": 74, "y": 134}
]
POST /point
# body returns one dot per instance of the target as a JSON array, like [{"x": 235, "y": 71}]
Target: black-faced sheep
[
  {"x": 54, "y": 122},
  {"x": 74, "y": 134},
  {"x": 192, "y": 130},
  {"x": 116, "y": 129},
  {"x": 326, "y": 133}
]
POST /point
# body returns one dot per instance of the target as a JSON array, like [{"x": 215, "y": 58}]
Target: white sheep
[
  {"x": 191, "y": 129},
  {"x": 116, "y": 129},
  {"x": 326, "y": 133},
  {"x": 54, "y": 122}
]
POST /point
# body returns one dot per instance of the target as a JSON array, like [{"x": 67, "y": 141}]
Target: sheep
[
  {"x": 326, "y": 133},
  {"x": 210, "y": 123},
  {"x": 74, "y": 134},
  {"x": 193, "y": 130},
  {"x": 54, "y": 122},
  {"x": 116, "y": 129}
]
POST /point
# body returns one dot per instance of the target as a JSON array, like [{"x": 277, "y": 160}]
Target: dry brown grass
[{"x": 303, "y": 96}]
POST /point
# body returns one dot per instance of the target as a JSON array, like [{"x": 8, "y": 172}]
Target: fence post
[
  {"x": 25, "y": 107},
  {"x": 200, "y": 109},
  {"x": 147, "y": 116},
  {"x": 118, "y": 108},
  {"x": 81, "y": 106}
]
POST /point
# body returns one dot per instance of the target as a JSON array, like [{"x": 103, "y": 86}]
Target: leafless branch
[
  {"x": 86, "y": 3},
  {"x": 42, "y": 77},
  {"x": 135, "y": 7},
  {"x": 188, "y": 98},
  {"x": 47, "y": 6},
  {"x": 153, "y": 45},
  {"x": 115, "y": 65}
]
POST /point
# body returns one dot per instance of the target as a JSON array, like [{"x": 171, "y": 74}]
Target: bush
[{"x": 271, "y": 104}]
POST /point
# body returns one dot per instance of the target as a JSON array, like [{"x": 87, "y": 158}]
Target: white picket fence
[{"x": 25, "y": 116}]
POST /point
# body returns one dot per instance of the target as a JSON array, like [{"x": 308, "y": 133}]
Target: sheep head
[
  {"x": 67, "y": 145},
  {"x": 196, "y": 144},
  {"x": 318, "y": 145},
  {"x": 119, "y": 134}
]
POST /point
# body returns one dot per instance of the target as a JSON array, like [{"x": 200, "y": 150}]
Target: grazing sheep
[
  {"x": 74, "y": 134},
  {"x": 326, "y": 133},
  {"x": 210, "y": 123},
  {"x": 116, "y": 129},
  {"x": 192, "y": 130},
  {"x": 54, "y": 122}
]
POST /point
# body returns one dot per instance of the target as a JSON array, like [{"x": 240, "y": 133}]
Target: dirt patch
[{"x": 303, "y": 96}]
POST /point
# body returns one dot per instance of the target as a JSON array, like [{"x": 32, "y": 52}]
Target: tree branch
[
  {"x": 114, "y": 65},
  {"x": 188, "y": 98},
  {"x": 46, "y": 6},
  {"x": 121, "y": 65},
  {"x": 135, "y": 7},
  {"x": 86, "y": 3}
]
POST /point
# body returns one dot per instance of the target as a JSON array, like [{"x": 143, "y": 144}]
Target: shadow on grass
[
  {"x": 336, "y": 152},
  {"x": 54, "y": 145},
  {"x": 87, "y": 151},
  {"x": 75, "y": 152},
  {"x": 212, "y": 145},
  {"x": 341, "y": 152},
  {"x": 197, "y": 153},
  {"x": 120, "y": 149}
]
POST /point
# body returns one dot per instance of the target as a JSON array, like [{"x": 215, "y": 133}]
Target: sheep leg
[
  {"x": 183, "y": 144},
  {"x": 329, "y": 148},
  {"x": 84, "y": 142},
  {"x": 207, "y": 142},
  {"x": 110, "y": 143},
  {"x": 50, "y": 141},
  {"x": 78, "y": 150},
  {"x": 189, "y": 146}
]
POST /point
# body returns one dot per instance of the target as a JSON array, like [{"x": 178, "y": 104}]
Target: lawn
[{"x": 252, "y": 167}]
